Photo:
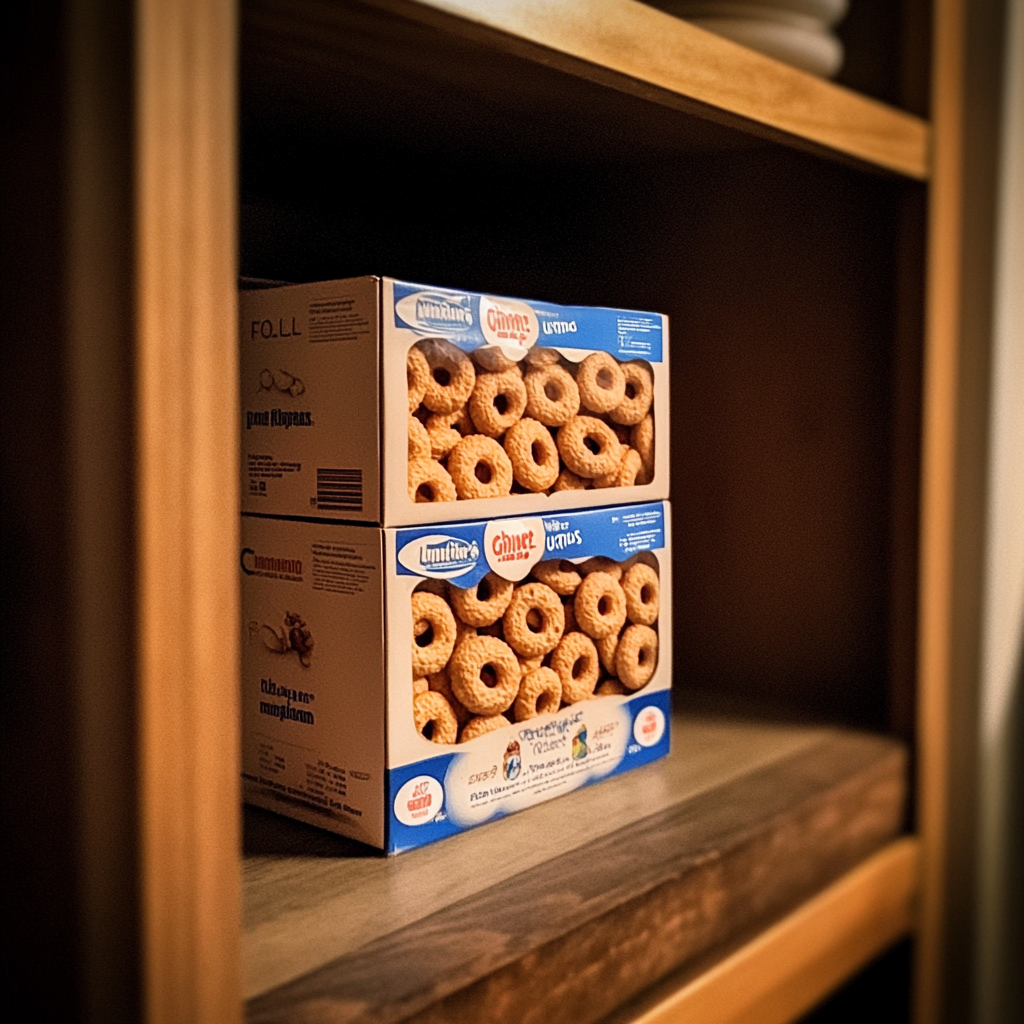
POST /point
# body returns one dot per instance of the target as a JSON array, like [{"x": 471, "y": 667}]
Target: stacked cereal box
[{"x": 402, "y": 681}]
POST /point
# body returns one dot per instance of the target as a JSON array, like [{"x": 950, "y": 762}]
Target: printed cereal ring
[
  {"x": 639, "y": 395},
  {"x": 559, "y": 574},
  {"x": 451, "y": 378},
  {"x": 611, "y": 478},
  {"x": 446, "y": 430},
  {"x": 552, "y": 397},
  {"x": 600, "y": 605},
  {"x": 433, "y": 627},
  {"x": 429, "y": 481},
  {"x": 498, "y": 401},
  {"x": 601, "y": 382},
  {"x": 534, "y": 621},
  {"x": 420, "y": 685},
  {"x": 439, "y": 683},
  {"x": 641, "y": 437},
  {"x": 575, "y": 662},
  {"x": 643, "y": 594},
  {"x": 606, "y": 648},
  {"x": 483, "y": 604},
  {"x": 492, "y": 360},
  {"x": 637, "y": 656},
  {"x": 439, "y": 587},
  {"x": 434, "y": 718},
  {"x": 479, "y": 726},
  {"x": 569, "y": 481},
  {"x": 419, "y": 442},
  {"x": 611, "y": 687},
  {"x": 532, "y": 452},
  {"x": 589, "y": 447},
  {"x": 417, "y": 373},
  {"x": 540, "y": 693},
  {"x": 528, "y": 665},
  {"x": 630, "y": 469},
  {"x": 601, "y": 564},
  {"x": 480, "y": 468},
  {"x": 484, "y": 674},
  {"x": 570, "y": 615},
  {"x": 542, "y": 357}
]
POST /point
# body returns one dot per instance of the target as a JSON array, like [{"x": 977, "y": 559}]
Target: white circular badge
[
  {"x": 419, "y": 800},
  {"x": 649, "y": 726}
]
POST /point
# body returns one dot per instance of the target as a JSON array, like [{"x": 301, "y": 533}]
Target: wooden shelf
[
  {"x": 487, "y": 46},
  {"x": 670, "y": 867}
]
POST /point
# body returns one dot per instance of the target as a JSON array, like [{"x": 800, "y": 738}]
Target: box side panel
[
  {"x": 310, "y": 414},
  {"x": 435, "y": 789},
  {"x": 482, "y": 326},
  {"x": 313, "y": 700}
]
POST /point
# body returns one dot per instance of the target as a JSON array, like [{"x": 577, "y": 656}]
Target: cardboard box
[
  {"x": 329, "y": 733},
  {"x": 325, "y": 401}
]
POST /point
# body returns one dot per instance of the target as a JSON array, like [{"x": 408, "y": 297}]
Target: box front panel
[
  {"x": 518, "y": 407},
  {"x": 310, "y": 400},
  {"x": 542, "y": 636},
  {"x": 313, "y": 700}
]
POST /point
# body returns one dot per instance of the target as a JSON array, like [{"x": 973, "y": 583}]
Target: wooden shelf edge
[
  {"x": 792, "y": 965},
  {"x": 639, "y": 49}
]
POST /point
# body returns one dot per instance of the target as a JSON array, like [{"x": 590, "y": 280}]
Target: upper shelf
[{"x": 489, "y": 46}]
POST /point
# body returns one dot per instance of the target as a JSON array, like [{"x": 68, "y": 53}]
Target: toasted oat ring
[
  {"x": 431, "y": 709},
  {"x": 552, "y": 397},
  {"x": 639, "y": 395},
  {"x": 419, "y": 442},
  {"x": 478, "y": 660},
  {"x": 528, "y": 665},
  {"x": 542, "y": 357},
  {"x": 601, "y": 382},
  {"x": 531, "y": 450},
  {"x": 417, "y": 374},
  {"x": 429, "y": 481},
  {"x": 571, "y": 625},
  {"x": 630, "y": 469},
  {"x": 480, "y": 468},
  {"x": 643, "y": 594},
  {"x": 491, "y": 359},
  {"x": 498, "y": 401},
  {"x": 601, "y": 564},
  {"x": 483, "y": 604},
  {"x": 575, "y": 661},
  {"x": 579, "y": 456},
  {"x": 559, "y": 574},
  {"x": 636, "y": 657},
  {"x": 431, "y": 613},
  {"x": 540, "y": 693},
  {"x": 610, "y": 687},
  {"x": 611, "y": 478},
  {"x": 642, "y": 439},
  {"x": 606, "y": 648},
  {"x": 534, "y": 621},
  {"x": 600, "y": 605},
  {"x": 439, "y": 587},
  {"x": 451, "y": 378},
  {"x": 446, "y": 430},
  {"x": 421, "y": 685},
  {"x": 481, "y": 725},
  {"x": 439, "y": 683},
  {"x": 569, "y": 481}
]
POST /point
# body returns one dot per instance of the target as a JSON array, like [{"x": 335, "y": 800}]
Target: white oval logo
[
  {"x": 440, "y": 556},
  {"x": 436, "y": 312},
  {"x": 649, "y": 726},
  {"x": 514, "y": 546},
  {"x": 419, "y": 800},
  {"x": 508, "y": 322}
]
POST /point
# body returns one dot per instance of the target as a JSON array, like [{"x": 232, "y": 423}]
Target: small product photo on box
[
  {"x": 380, "y": 401},
  {"x": 402, "y": 685}
]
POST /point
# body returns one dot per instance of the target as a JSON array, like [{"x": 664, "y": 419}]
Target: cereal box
[
  {"x": 403, "y": 684},
  {"x": 380, "y": 401}
]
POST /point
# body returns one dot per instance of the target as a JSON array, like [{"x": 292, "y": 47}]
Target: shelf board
[
  {"x": 636, "y": 49},
  {"x": 629, "y": 881}
]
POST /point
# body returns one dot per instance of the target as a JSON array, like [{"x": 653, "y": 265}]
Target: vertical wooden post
[{"x": 187, "y": 508}]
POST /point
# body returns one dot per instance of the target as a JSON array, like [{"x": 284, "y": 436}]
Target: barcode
[{"x": 339, "y": 489}]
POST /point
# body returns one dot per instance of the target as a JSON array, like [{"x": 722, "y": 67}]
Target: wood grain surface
[
  {"x": 621, "y": 45},
  {"x": 575, "y": 906}
]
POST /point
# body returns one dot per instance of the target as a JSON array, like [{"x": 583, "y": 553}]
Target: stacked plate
[{"x": 797, "y": 32}]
